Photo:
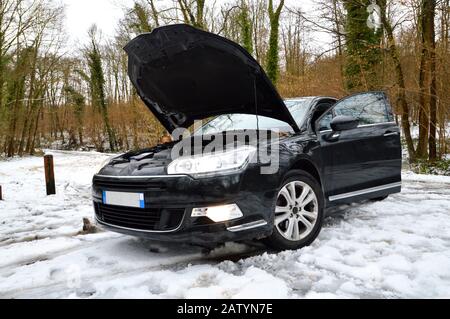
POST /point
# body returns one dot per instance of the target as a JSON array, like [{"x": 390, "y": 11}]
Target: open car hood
[{"x": 185, "y": 74}]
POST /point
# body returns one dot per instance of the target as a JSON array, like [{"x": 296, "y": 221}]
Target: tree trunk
[
  {"x": 200, "y": 23},
  {"x": 400, "y": 81},
  {"x": 272, "y": 53},
  {"x": 155, "y": 13},
  {"x": 340, "y": 51},
  {"x": 246, "y": 27},
  {"x": 427, "y": 83},
  {"x": 29, "y": 103},
  {"x": 135, "y": 120},
  {"x": 36, "y": 126},
  {"x": 431, "y": 41},
  {"x": 195, "y": 19},
  {"x": 424, "y": 121}
]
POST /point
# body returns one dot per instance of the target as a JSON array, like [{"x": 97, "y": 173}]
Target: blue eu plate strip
[
  {"x": 104, "y": 197},
  {"x": 141, "y": 201}
]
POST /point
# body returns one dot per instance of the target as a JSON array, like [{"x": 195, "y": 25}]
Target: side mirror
[{"x": 344, "y": 123}]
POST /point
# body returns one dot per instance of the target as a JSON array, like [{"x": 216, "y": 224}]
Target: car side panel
[
  {"x": 362, "y": 158},
  {"x": 361, "y": 163}
]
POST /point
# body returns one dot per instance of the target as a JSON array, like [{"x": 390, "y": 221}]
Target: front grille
[
  {"x": 129, "y": 185},
  {"x": 147, "y": 219}
]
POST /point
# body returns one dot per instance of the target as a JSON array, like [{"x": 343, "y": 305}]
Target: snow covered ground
[{"x": 398, "y": 248}]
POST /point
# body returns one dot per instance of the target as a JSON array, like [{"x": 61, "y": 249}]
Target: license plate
[{"x": 124, "y": 199}]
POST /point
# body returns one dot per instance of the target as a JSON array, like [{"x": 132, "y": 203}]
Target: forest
[{"x": 50, "y": 98}]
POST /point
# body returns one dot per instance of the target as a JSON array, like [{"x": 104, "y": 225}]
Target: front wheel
[{"x": 298, "y": 214}]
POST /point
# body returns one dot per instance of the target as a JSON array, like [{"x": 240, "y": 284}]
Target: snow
[
  {"x": 415, "y": 131},
  {"x": 397, "y": 248}
]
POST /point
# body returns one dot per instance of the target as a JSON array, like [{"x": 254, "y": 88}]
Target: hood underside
[{"x": 184, "y": 74}]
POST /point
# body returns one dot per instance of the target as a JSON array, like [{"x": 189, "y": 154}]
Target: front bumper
[{"x": 172, "y": 198}]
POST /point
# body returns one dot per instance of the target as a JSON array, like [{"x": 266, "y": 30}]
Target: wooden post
[
  {"x": 1, "y": 198},
  {"x": 49, "y": 175}
]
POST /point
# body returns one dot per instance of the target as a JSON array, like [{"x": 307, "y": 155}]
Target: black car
[{"x": 329, "y": 152}]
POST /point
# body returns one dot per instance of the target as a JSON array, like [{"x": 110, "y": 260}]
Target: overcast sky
[{"x": 81, "y": 14}]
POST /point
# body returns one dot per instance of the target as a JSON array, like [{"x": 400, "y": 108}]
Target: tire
[{"x": 286, "y": 235}]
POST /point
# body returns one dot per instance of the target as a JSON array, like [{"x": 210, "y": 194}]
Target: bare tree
[
  {"x": 427, "y": 81},
  {"x": 394, "y": 52},
  {"x": 97, "y": 83},
  {"x": 273, "y": 51},
  {"x": 193, "y": 12}
]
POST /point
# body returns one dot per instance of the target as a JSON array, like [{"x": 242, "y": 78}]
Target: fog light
[{"x": 218, "y": 213}]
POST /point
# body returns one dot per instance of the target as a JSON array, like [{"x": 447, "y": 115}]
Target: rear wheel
[{"x": 298, "y": 214}]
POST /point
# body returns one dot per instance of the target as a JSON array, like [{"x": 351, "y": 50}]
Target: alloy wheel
[{"x": 296, "y": 211}]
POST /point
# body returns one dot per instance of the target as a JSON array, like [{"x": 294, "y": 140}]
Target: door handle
[
  {"x": 332, "y": 137},
  {"x": 335, "y": 136},
  {"x": 391, "y": 134}
]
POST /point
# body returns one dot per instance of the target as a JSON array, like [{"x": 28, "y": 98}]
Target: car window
[
  {"x": 236, "y": 122},
  {"x": 299, "y": 108},
  {"x": 229, "y": 122},
  {"x": 325, "y": 122},
  {"x": 368, "y": 108}
]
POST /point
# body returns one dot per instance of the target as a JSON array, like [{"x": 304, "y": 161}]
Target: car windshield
[{"x": 235, "y": 122}]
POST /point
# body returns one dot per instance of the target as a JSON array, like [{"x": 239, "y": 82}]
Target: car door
[{"x": 363, "y": 162}]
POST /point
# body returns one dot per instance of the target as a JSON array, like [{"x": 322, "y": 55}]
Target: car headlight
[
  {"x": 104, "y": 163},
  {"x": 222, "y": 162}
]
